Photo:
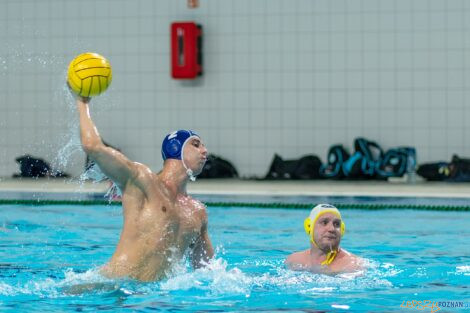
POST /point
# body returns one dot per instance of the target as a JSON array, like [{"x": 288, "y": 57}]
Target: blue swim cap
[{"x": 172, "y": 145}]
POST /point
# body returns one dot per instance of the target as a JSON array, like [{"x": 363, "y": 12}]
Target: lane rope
[{"x": 271, "y": 205}]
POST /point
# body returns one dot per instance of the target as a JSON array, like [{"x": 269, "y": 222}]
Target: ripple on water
[{"x": 463, "y": 270}]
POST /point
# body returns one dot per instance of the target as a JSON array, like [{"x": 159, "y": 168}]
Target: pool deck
[{"x": 69, "y": 189}]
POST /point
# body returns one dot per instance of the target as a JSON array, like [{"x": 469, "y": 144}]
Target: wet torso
[{"x": 158, "y": 229}]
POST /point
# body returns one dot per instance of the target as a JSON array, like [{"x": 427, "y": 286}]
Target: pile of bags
[{"x": 368, "y": 161}]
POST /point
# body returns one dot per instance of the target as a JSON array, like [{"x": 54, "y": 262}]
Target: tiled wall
[{"x": 281, "y": 76}]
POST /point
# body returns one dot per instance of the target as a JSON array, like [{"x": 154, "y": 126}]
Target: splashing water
[
  {"x": 216, "y": 279},
  {"x": 95, "y": 174},
  {"x": 71, "y": 147},
  {"x": 20, "y": 59},
  {"x": 72, "y": 283},
  {"x": 463, "y": 270}
]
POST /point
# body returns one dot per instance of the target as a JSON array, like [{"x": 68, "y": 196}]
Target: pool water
[{"x": 47, "y": 252}]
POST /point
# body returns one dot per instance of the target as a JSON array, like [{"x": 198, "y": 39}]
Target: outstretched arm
[
  {"x": 112, "y": 162},
  {"x": 203, "y": 250}
]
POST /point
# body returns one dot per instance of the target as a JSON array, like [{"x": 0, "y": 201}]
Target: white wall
[{"x": 281, "y": 76}]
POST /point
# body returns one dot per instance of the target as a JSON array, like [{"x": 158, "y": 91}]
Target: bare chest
[
  {"x": 189, "y": 216},
  {"x": 179, "y": 222}
]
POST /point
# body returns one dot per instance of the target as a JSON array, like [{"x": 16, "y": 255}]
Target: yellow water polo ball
[{"x": 89, "y": 74}]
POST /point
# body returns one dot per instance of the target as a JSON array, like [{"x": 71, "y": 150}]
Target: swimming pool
[{"x": 46, "y": 250}]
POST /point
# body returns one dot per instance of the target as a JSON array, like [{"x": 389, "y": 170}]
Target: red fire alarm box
[{"x": 186, "y": 50}]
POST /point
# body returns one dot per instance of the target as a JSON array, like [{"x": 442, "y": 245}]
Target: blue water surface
[{"x": 50, "y": 255}]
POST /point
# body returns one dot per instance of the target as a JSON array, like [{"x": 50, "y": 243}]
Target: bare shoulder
[
  {"x": 199, "y": 208},
  {"x": 295, "y": 258},
  {"x": 351, "y": 257},
  {"x": 143, "y": 176},
  {"x": 142, "y": 171},
  {"x": 349, "y": 261}
]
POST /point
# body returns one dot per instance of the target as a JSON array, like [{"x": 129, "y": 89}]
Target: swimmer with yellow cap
[{"x": 325, "y": 228}]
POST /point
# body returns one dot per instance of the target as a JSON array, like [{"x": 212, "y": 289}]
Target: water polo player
[
  {"x": 325, "y": 228},
  {"x": 162, "y": 222}
]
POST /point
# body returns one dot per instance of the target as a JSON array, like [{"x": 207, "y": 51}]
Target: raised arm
[{"x": 112, "y": 162}]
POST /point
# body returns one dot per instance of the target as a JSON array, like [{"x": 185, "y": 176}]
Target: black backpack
[
  {"x": 336, "y": 157},
  {"x": 307, "y": 167},
  {"x": 396, "y": 162},
  {"x": 363, "y": 162},
  {"x": 217, "y": 167},
  {"x": 33, "y": 167},
  {"x": 36, "y": 168},
  {"x": 437, "y": 171},
  {"x": 458, "y": 170}
]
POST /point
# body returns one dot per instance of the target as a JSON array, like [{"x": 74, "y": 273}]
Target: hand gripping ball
[{"x": 89, "y": 74}]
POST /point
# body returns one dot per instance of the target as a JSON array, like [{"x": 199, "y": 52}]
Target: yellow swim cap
[
  {"x": 309, "y": 225},
  {"x": 316, "y": 212}
]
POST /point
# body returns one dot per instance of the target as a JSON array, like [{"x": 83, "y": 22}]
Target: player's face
[
  {"x": 328, "y": 231},
  {"x": 195, "y": 155}
]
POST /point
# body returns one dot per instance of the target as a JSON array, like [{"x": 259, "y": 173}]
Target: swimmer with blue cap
[
  {"x": 162, "y": 223},
  {"x": 325, "y": 228},
  {"x": 173, "y": 149}
]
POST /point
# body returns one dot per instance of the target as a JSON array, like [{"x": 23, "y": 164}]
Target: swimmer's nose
[
  {"x": 204, "y": 151},
  {"x": 331, "y": 227}
]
